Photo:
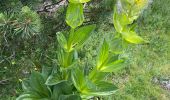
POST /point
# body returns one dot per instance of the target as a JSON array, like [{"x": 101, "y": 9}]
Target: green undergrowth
[{"x": 145, "y": 61}]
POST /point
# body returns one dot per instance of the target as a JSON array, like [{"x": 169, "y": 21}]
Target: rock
[{"x": 168, "y": 86}]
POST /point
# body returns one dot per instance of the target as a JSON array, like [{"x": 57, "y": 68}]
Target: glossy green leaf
[
  {"x": 74, "y": 15},
  {"x": 78, "y": 78},
  {"x": 116, "y": 22},
  {"x": 63, "y": 88},
  {"x": 46, "y": 71},
  {"x": 56, "y": 92},
  {"x": 118, "y": 45},
  {"x": 80, "y": 36},
  {"x": 54, "y": 79},
  {"x": 88, "y": 88},
  {"x": 102, "y": 88},
  {"x": 62, "y": 40},
  {"x": 81, "y": 82},
  {"x": 112, "y": 67},
  {"x": 31, "y": 96},
  {"x": 26, "y": 85},
  {"x": 96, "y": 75},
  {"x": 103, "y": 55},
  {"x": 79, "y": 1},
  {"x": 132, "y": 37},
  {"x": 37, "y": 83},
  {"x": 65, "y": 59},
  {"x": 121, "y": 19},
  {"x": 124, "y": 20},
  {"x": 106, "y": 63}
]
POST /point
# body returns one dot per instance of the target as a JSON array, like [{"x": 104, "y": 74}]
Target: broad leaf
[
  {"x": 104, "y": 88},
  {"x": 118, "y": 45},
  {"x": 54, "y": 79},
  {"x": 88, "y": 88},
  {"x": 112, "y": 67},
  {"x": 46, "y": 71},
  {"x": 81, "y": 82},
  {"x": 63, "y": 88},
  {"x": 70, "y": 97},
  {"x": 116, "y": 20},
  {"x": 79, "y": 37},
  {"x": 101, "y": 89},
  {"x": 31, "y": 96},
  {"x": 62, "y": 40},
  {"x": 79, "y": 1},
  {"x": 132, "y": 37},
  {"x": 65, "y": 59},
  {"x": 103, "y": 55},
  {"x": 106, "y": 63},
  {"x": 124, "y": 19},
  {"x": 37, "y": 83},
  {"x": 56, "y": 92},
  {"x": 26, "y": 85},
  {"x": 78, "y": 78},
  {"x": 96, "y": 75},
  {"x": 74, "y": 15}
]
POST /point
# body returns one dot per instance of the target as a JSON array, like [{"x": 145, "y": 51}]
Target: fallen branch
[
  {"x": 53, "y": 7},
  {"x": 4, "y": 81}
]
